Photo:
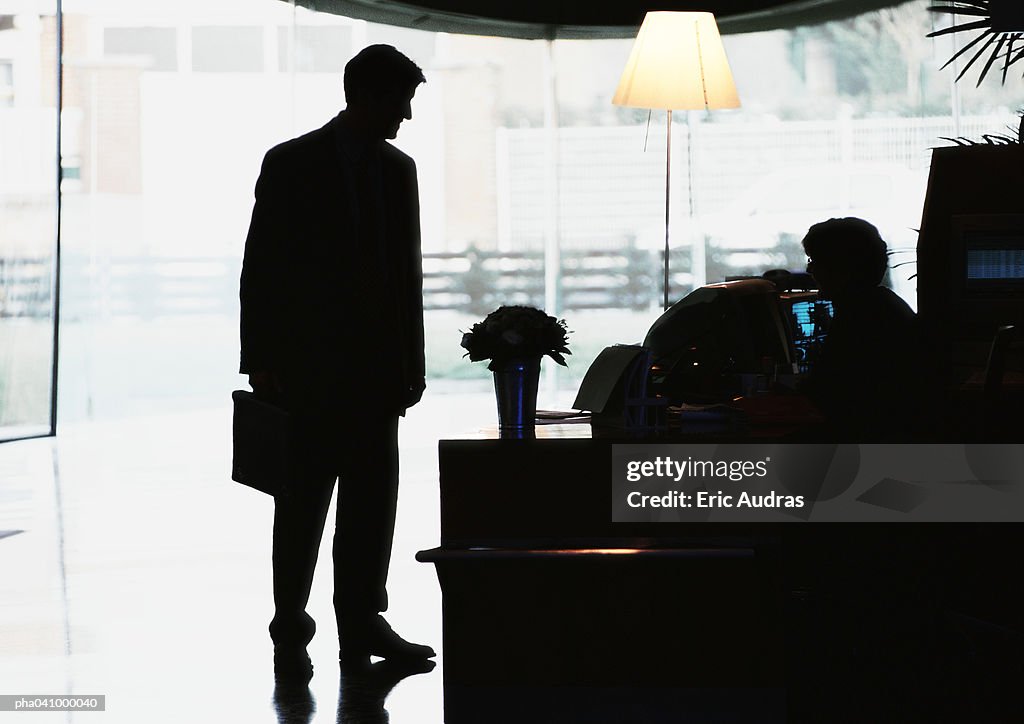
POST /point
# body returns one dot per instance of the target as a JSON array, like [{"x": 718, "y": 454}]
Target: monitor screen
[
  {"x": 994, "y": 257},
  {"x": 809, "y": 321},
  {"x": 991, "y": 253}
]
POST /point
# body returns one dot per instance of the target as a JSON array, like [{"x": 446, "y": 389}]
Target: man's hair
[
  {"x": 852, "y": 245},
  {"x": 378, "y": 70}
]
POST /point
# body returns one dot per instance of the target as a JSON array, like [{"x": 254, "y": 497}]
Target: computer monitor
[
  {"x": 985, "y": 287},
  {"x": 809, "y": 320},
  {"x": 992, "y": 253},
  {"x": 717, "y": 332}
]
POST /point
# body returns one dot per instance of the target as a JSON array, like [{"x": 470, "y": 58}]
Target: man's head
[
  {"x": 379, "y": 85},
  {"x": 845, "y": 255}
]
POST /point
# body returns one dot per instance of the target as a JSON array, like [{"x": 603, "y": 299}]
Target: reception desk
[{"x": 541, "y": 589}]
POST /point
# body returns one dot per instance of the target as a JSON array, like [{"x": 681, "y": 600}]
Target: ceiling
[{"x": 586, "y": 18}]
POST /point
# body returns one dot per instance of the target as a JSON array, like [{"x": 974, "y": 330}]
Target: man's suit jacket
[{"x": 301, "y": 312}]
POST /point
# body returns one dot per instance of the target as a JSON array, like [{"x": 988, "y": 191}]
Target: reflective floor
[
  {"x": 142, "y": 573},
  {"x": 133, "y": 568}
]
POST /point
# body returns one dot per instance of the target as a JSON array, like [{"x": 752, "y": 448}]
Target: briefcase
[{"x": 260, "y": 443}]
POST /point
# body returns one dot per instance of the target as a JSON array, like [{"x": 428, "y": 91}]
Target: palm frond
[
  {"x": 991, "y": 59},
  {"x": 953, "y": 6},
  {"x": 1016, "y": 137},
  {"x": 965, "y": 49},
  {"x": 1009, "y": 52},
  {"x": 977, "y": 24},
  {"x": 978, "y": 12},
  {"x": 991, "y": 39},
  {"x": 997, "y": 139},
  {"x": 1007, "y": 37}
]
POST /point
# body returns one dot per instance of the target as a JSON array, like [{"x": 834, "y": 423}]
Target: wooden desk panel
[{"x": 555, "y": 493}]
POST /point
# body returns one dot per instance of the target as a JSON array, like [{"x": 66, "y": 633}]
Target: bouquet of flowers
[{"x": 513, "y": 332}]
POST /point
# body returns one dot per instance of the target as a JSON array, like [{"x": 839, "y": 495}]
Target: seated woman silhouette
[{"x": 869, "y": 381}]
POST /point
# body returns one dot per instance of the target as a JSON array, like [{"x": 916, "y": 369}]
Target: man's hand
[{"x": 413, "y": 394}]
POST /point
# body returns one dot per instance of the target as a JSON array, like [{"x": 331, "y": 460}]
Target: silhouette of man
[
  {"x": 868, "y": 381},
  {"x": 332, "y": 327}
]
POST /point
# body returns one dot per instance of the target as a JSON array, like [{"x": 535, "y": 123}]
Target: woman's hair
[{"x": 851, "y": 245}]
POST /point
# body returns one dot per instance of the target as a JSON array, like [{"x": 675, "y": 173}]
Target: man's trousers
[{"x": 362, "y": 455}]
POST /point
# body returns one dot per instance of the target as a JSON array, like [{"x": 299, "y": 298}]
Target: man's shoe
[
  {"x": 354, "y": 660},
  {"x": 292, "y": 665},
  {"x": 384, "y": 642}
]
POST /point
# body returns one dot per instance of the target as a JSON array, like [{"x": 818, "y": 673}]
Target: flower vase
[{"x": 515, "y": 387}]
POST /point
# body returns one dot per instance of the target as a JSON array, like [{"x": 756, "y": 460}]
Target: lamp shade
[{"x": 677, "y": 63}]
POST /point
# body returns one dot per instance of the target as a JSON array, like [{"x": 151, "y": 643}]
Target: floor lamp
[{"x": 677, "y": 63}]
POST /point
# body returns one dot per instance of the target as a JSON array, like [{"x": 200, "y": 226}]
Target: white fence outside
[{"x": 611, "y": 191}]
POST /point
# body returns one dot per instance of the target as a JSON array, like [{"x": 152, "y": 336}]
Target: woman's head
[{"x": 844, "y": 254}]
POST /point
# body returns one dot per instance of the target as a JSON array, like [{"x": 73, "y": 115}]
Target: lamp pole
[
  {"x": 698, "y": 254},
  {"x": 668, "y": 188}
]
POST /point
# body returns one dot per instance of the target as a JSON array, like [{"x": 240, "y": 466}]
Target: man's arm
[
  {"x": 260, "y": 281},
  {"x": 417, "y": 371}
]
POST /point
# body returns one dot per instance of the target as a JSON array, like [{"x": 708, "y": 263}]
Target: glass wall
[
  {"x": 838, "y": 119},
  {"x": 28, "y": 218},
  {"x": 523, "y": 162}
]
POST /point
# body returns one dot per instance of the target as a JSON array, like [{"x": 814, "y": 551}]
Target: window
[
  {"x": 160, "y": 45},
  {"x": 151, "y": 278},
  {"x": 225, "y": 49},
  {"x": 318, "y": 49},
  {"x": 28, "y": 214}
]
